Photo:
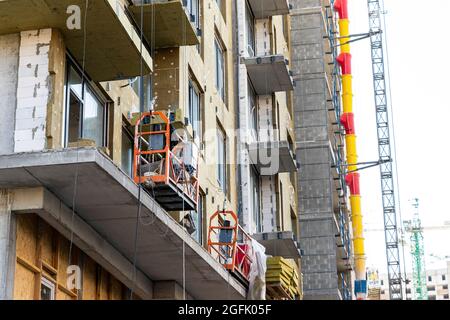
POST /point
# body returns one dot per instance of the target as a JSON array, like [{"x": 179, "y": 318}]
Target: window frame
[
  {"x": 221, "y": 160},
  {"x": 250, "y": 26},
  {"x": 253, "y": 111},
  {"x": 221, "y": 80},
  {"x": 255, "y": 185},
  {"x": 129, "y": 135},
  {"x": 197, "y": 124},
  {"x": 86, "y": 84},
  {"x": 50, "y": 285}
]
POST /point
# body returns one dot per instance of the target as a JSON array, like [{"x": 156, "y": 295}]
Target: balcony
[
  {"x": 279, "y": 244},
  {"x": 112, "y": 44},
  {"x": 166, "y": 23},
  {"x": 106, "y": 202},
  {"x": 273, "y": 157},
  {"x": 269, "y": 74},
  {"x": 266, "y": 8}
]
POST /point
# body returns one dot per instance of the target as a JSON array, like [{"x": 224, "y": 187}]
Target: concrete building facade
[
  {"x": 325, "y": 230},
  {"x": 436, "y": 281},
  {"x": 67, "y": 102},
  {"x": 73, "y": 223},
  {"x": 266, "y": 137}
]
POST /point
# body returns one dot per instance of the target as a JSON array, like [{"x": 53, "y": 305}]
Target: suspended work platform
[
  {"x": 229, "y": 244},
  {"x": 165, "y": 168}
]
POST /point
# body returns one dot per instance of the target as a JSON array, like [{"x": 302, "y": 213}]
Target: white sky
[{"x": 418, "y": 51}]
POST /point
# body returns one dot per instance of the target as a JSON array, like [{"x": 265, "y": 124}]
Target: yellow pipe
[
  {"x": 344, "y": 32},
  {"x": 352, "y": 158},
  {"x": 347, "y": 93}
]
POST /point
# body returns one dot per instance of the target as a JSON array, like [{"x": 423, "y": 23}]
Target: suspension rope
[
  {"x": 141, "y": 110},
  {"x": 75, "y": 184}
]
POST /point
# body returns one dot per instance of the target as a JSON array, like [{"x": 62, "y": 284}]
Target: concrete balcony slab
[
  {"x": 267, "y": 8},
  {"x": 273, "y": 157},
  {"x": 166, "y": 23},
  {"x": 269, "y": 74},
  {"x": 107, "y": 200},
  {"x": 112, "y": 43},
  {"x": 279, "y": 244}
]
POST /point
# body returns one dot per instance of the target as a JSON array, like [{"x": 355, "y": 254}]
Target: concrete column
[
  {"x": 7, "y": 246},
  {"x": 33, "y": 90},
  {"x": 9, "y": 61},
  {"x": 244, "y": 137}
]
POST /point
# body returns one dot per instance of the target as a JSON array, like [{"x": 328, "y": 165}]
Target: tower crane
[{"x": 384, "y": 149}]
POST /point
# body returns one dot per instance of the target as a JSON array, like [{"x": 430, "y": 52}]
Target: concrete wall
[
  {"x": 315, "y": 197},
  {"x": 9, "y": 61}
]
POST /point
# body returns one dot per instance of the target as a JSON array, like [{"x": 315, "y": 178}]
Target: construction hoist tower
[
  {"x": 385, "y": 151},
  {"x": 415, "y": 229}
]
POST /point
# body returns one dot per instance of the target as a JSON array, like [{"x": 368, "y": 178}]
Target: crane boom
[{"x": 385, "y": 151}]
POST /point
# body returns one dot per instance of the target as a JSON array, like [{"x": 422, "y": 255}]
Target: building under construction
[{"x": 161, "y": 149}]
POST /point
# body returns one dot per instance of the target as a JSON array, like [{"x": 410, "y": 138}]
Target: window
[
  {"x": 255, "y": 202},
  {"x": 193, "y": 8},
  {"x": 286, "y": 29},
  {"x": 198, "y": 219},
  {"x": 281, "y": 207},
  {"x": 275, "y": 41},
  {"x": 146, "y": 83},
  {"x": 220, "y": 70},
  {"x": 253, "y": 112},
  {"x": 194, "y": 112},
  {"x": 443, "y": 277},
  {"x": 382, "y": 282},
  {"x": 250, "y": 31},
  {"x": 408, "y": 290},
  {"x": 445, "y": 287},
  {"x": 430, "y": 279},
  {"x": 445, "y": 296},
  {"x": 85, "y": 110},
  {"x": 432, "y": 297},
  {"x": 221, "y": 160},
  {"x": 47, "y": 289},
  {"x": 127, "y": 151},
  {"x": 221, "y": 5}
]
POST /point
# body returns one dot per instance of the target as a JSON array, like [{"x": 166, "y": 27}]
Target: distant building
[{"x": 437, "y": 284}]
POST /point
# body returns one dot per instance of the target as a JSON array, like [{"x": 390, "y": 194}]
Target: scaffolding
[{"x": 337, "y": 146}]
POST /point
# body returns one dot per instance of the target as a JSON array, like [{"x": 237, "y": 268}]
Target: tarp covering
[{"x": 257, "y": 277}]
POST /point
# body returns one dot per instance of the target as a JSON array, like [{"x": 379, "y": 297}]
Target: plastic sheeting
[{"x": 257, "y": 276}]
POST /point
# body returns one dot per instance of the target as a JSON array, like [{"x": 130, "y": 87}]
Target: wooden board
[{"x": 42, "y": 251}]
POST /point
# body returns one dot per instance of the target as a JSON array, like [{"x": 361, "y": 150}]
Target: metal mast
[
  {"x": 385, "y": 151},
  {"x": 417, "y": 254}
]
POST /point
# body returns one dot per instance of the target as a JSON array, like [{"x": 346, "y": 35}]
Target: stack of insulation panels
[{"x": 282, "y": 280}]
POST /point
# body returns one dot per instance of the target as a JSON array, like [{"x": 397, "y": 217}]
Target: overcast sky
[{"x": 418, "y": 52}]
